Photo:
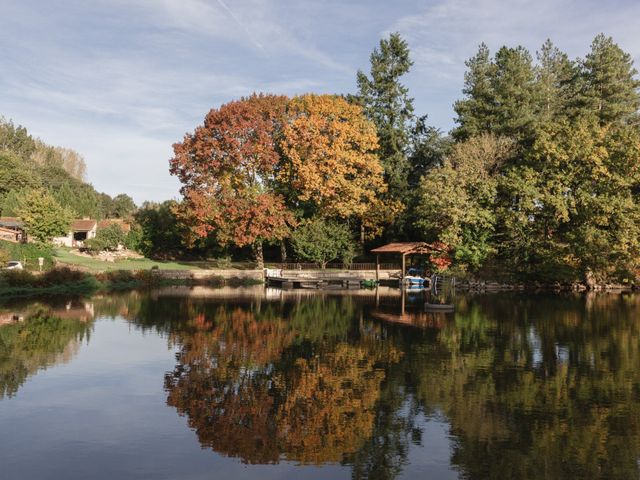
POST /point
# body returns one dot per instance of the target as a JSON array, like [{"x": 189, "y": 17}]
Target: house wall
[{"x": 64, "y": 241}]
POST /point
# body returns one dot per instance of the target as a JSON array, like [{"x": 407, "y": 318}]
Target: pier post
[{"x": 404, "y": 266}]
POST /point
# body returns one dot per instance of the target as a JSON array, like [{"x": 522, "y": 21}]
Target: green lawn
[{"x": 64, "y": 256}]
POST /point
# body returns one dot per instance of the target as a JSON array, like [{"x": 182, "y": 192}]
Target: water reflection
[
  {"x": 529, "y": 386},
  {"x": 262, "y": 386},
  {"x": 37, "y": 336}
]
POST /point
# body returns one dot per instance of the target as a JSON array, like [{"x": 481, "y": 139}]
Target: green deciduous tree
[
  {"x": 123, "y": 206},
  {"x": 15, "y": 139},
  {"x": 161, "y": 233},
  {"x": 43, "y": 217},
  {"x": 108, "y": 238},
  {"x": 15, "y": 173},
  {"x": 319, "y": 240},
  {"x": 457, "y": 201}
]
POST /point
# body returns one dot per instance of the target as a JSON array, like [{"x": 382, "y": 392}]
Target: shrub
[
  {"x": 133, "y": 240},
  {"x": 117, "y": 276},
  {"x": 319, "y": 240},
  {"x": 4, "y": 257},
  {"x": 18, "y": 278},
  {"x": 108, "y": 238},
  {"x": 28, "y": 253},
  {"x": 62, "y": 275}
]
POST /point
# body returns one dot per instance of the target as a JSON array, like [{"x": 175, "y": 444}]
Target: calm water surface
[{"x": 254, "y": 383}]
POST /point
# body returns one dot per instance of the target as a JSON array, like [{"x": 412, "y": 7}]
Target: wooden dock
[{"x": 325, "y": 282}]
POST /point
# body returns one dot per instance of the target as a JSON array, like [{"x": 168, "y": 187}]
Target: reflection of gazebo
[
  {"x": 404, "y": 249},
  {"x": 414, "y": 319}
]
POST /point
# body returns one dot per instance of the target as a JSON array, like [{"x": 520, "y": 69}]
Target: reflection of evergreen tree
[
  {"x": 36, "y": 343},
  {"x": 550, "y": 391}
]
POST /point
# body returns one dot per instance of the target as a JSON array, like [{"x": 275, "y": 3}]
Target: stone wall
[{"x": 210, "y": 274}]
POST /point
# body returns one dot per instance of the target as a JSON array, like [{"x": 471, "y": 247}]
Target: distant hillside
[{"x": 27, "y": 163}]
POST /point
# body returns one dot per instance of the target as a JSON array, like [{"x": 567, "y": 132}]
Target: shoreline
[{"x": 65, "y": 281}]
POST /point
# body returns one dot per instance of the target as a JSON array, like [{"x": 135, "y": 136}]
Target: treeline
[
  {"x": 27, "y": 164},
  {"x": 47, "y": 188},
  {"x": 543, "y": 178},
  {"x": 539, "y": 180}
]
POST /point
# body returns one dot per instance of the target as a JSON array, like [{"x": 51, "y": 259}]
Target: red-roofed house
[
  {"x": 12, "y": 229},
  {"x": 81, "y": 230},
  {"x": 126, "y": 227}
]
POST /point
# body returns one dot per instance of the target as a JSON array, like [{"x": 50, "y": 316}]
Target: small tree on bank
[
  {"x": 43, "y": 217},
  {"x": 108, "y": 238},
  {"x": 321, "y": 241}
]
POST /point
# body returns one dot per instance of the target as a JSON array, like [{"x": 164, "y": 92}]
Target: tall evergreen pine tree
[{"x": 387, "y": 103}]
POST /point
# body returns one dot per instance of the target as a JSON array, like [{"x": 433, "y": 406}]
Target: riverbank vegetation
[
  {"x": 65, "y": 281},
  {"x": 538, "y": 181},
  {"x": 28, "y": 165}
]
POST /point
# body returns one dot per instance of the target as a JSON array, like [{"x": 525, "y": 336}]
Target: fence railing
[{"x": 334, "y": 266}]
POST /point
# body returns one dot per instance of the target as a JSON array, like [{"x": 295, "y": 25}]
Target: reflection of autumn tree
[
  {"x": 532, "y": 386},
  {"x": 34, "y": 344},
  {"x": 253, "y": 386},
  {"x": 328, "y": 410}
]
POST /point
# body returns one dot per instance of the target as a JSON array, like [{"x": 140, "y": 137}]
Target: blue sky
[{"x": 121, "y": 80}]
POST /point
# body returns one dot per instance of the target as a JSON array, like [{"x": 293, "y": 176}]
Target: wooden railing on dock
[{"x": 333, "y": 266}]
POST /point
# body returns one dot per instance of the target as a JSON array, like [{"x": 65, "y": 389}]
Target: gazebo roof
[{"x": 406, "y": 248}]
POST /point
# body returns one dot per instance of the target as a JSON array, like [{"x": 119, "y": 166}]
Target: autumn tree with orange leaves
[
  {"x": 227, "y": 168},
  {"x": 257, "y": 160}
]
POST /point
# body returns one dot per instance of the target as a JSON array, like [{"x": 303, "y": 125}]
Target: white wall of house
[
  {"x": 64, "y": 241},
  {"x": 68, "y": 241}
]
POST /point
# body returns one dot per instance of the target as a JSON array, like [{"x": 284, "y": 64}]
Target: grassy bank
[
  {"x": 65, "y": 257},
  {"x": 27, "y": 253}
]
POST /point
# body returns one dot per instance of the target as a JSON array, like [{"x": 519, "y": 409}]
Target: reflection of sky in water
[
  {"x": 535, "y": 343},
  {"x": 562, "y": 354}
]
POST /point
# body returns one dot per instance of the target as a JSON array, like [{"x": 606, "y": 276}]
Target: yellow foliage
[{"x": 329, "y": 146}]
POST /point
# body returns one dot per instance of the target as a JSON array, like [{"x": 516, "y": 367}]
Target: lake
[{"x": 199, "y": 383}]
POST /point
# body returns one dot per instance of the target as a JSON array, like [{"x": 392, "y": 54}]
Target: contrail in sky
[{"x": 237, "y": 20}]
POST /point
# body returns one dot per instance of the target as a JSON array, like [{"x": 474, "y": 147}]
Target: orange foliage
[
  {"x": 243, "y": 402},
  {"x": 330, "y": 150},
  {"x": 329, "y": 411},
  {"x": 227, "y": 169}
]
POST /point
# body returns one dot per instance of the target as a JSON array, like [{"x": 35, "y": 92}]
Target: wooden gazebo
[{"x": 404, "y": 249}]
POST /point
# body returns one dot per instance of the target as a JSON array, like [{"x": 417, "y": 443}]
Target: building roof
[
  {"x": 11, "y": 222},
  {"x": 126, "y": 227},
  {"x": 83, "y": 225},
  {"x": 406, "y": 248}
]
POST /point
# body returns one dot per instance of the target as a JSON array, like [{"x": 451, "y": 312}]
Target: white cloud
[
  {"x": 121, "y": 80},
  {"x": 446, "y": 33}
]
